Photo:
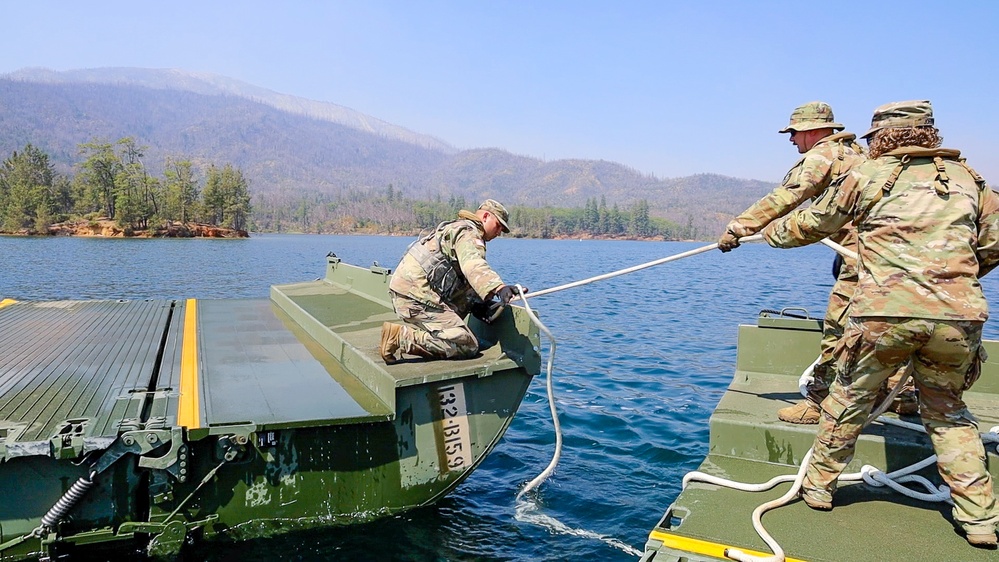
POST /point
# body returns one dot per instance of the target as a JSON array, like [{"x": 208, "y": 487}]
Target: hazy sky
[{"x": 668, "y": 88}]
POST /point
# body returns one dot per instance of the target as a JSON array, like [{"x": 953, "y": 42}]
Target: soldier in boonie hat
[
  {"x": 498, "y": 210},
  {"x": 812, "y": 115},
  {"x": 826, "y": 155},
  {"x": 913, "y": 113},
  {"x": 442, "y": 278}
]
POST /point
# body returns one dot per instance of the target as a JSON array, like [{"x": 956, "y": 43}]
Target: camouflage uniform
[
  {"x": 928, "y": 228},
  {"x": 435, "y": 323},
  {"x": 826, "y": 160}
]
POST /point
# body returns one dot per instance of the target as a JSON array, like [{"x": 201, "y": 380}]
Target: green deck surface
[
  {"x": 358, "y": 324},
  {"x": 749, "y": 444},
  {"x": 256, "y": 371},
  {"x": 104, "y": 365},
  {"x": 75, "y": 360}
]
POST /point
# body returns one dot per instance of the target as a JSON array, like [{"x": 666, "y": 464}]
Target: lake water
[{"x": 642, "y": 360}]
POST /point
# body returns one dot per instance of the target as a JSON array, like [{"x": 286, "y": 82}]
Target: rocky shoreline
[{"x": 106, "y": 228}]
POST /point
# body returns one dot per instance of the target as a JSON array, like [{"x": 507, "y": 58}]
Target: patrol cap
[
  {"x": 812, "y": 115},
  {"x": 914, "y": 113},
  {"x": 498, "y": 211}
]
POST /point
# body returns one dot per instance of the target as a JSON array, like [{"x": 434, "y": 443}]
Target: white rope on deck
[{"x": 869, "y": 474}]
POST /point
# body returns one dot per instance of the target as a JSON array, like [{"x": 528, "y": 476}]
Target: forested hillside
[{"x": 301, "y": 169}]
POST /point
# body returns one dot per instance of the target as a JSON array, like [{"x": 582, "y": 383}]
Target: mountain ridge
[{"x": 289, "y": 155}]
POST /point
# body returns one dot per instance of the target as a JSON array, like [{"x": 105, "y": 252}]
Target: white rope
[
  {"x": 840, "y": 249},
  {"x": 778, "y": 556},
  {"x": 675, "y": 257},
  {"x": 868, "y": 474},
  {"x": 551, "y": 401},
  {"x": 528, "y": 511},
  {"x": 639, "y": 267},
  {"x": 540, "y": 478},
  {"x": 807, "y": 377}
]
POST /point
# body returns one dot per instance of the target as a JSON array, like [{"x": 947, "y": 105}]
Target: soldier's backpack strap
[
  {"x": 974, "y": 175},
  {"x": 837, "y": 165},
  {"x": 979, "y": 180},
  {"x": 940, "y": 182},
  {"x": 885, "y": 189},
  {"x": 443, "y": 273}
]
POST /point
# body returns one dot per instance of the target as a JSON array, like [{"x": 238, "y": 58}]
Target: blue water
[{"x": 642, "y": 360}]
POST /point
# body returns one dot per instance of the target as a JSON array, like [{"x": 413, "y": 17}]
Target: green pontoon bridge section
[
  {"x": 351, "y": 332},
  {"x": 749, "y": 444},
  {"x": 160, "y": 420},
  {"x": 74, "y": 373}
]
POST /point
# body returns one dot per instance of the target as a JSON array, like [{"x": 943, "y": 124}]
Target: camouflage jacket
[
  {"x": 928, "y": 228},
  {"x": 828, "y": 159},
  {"x": 461, "y": 243}
]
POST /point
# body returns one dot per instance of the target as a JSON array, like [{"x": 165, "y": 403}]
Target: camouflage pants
[
  {"x": 434, "y": 333},
  {"x": 833, "y": 325},
  {"x": 946, "y": 357},
  {"x": 824, "y": 372}
]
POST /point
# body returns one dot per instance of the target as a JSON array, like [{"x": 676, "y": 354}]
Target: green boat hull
[{"x": 236, "y": 419}]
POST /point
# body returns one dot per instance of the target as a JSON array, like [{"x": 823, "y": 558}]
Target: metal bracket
[
  {"x": 175, "y": 459},
  {"x": 384, "y": 271},
  {"x": 143, "y": 441},
  {"x": 67, "y": 442}
]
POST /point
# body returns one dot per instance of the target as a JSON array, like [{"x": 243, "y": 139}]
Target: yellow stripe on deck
[
  {"x": 7, "y": 302},
  {"x": 189, "y": 409},
  {"x": 697, "y": 546}
]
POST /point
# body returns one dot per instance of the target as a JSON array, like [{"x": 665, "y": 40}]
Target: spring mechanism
[{"x": 67, "y": 501}]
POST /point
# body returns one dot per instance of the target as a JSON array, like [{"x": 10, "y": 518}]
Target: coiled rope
[{"x": 869, "y": 474}]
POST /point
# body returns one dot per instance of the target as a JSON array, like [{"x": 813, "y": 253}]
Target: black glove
[
  {"x": 728, "y": 242},
  {"x": 488, "y": 311},
  {"x": 506, "y": 293}
]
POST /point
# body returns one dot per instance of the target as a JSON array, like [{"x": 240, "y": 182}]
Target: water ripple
[{"x": 642, "y": 361}]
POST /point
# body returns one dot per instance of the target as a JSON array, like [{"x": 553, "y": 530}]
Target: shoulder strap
[
  {"x": 885, "y": 189},
  {"x": 979, "y": 180},
  {"x": 940, "y": 183}
]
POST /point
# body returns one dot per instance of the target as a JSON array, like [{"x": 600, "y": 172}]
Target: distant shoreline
[{"x": 107, "y": 228}]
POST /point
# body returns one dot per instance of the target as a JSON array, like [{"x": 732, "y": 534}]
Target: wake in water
[{"x": 528, "y": 512}]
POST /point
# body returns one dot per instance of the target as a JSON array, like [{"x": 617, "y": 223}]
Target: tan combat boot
[
  {"x": 986, "y": 540},
  {"x": 816, "y": 503},
  {"x": 806, "y": 412},
  {"x": 390, "y": 342}
]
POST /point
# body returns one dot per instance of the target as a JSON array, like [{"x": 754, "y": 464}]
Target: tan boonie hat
[
  {"x": 498, "y": 211},
  {"x": 812, "y": 115},
  {"x": 914, "y": 113}
]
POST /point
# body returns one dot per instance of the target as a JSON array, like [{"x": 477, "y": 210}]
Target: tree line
[
  {"x": 388, "y": 211},
  {"x": 111, "y": 181}
]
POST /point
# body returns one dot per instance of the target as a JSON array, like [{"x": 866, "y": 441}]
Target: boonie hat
[
  {"x": 498, "y": 211},
  {"x": 812, "y": 115},
  {"x": 914, "y": 113}
]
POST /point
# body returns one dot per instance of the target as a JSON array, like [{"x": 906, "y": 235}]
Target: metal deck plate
[
  {"x": 254, "y": 370},
  {"x": 88, "y": 361}
]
